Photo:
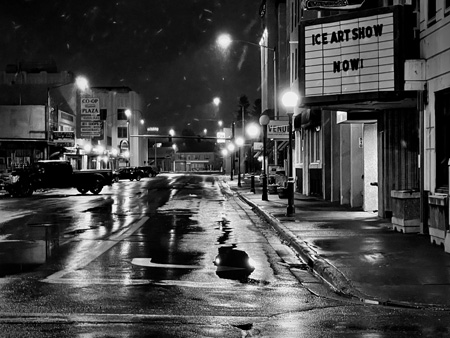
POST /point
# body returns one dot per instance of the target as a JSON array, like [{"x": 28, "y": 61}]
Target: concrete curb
[
  {"x": 318, "y": 265},
  {"x": 323, "y": 269}
]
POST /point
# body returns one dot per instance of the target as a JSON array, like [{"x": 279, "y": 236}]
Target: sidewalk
[{"x": 357, "y": 252}]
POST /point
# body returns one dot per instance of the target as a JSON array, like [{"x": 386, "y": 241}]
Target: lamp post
[
  {"x": 252, "y": 131},
  {"x": 239, "y": 144},
  {"x": 290, "y": 100},
  {"x": 231, "y": 149},
  {"x": 51, "y": 121},
  {"x": 224, "y": 41},
  {"x": 264, "y": 120},
  {"x": 128, "y": 115}
]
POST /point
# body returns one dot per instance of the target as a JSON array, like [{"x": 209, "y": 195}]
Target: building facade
[
  {"x": 434, "y": 106},
  {"x": 195, "y": 161},
  {"x": 41, "y": 109},
  {"x": 374, "y": 87}
]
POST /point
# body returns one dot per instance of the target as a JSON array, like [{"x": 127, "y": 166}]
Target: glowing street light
[
  {"x": 253, "y": 130},
  {"x": 224, "y": 40},
  {"x": 264, "y": 120},
  {"x": 290, "y": 100},
  {"x": 239, "y": 141},
  {"x": 128, "y": 115},
  {"x": 82, "y": 83}
]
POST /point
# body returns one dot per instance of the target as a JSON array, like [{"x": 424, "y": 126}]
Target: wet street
[{"x": 169, "y": 256}]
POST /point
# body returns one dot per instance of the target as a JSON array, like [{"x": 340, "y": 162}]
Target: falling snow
[{"x": 164, "y": 50}]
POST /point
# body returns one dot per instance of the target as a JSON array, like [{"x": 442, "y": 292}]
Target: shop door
[{"x": 370, "y": 168}]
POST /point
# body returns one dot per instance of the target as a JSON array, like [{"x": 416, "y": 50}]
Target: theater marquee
[{"x": 349, "y": 56}]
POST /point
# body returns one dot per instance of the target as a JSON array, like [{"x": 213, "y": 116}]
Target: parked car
[
  {"x": 149, "y": 171},
  {"x": 47, "y": 174},
  {"x": 130, "y": 173}
]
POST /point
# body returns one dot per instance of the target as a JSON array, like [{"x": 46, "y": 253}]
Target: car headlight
[
  {"x": 217, "y": 261},
  {"x": 251, "y": 262}
]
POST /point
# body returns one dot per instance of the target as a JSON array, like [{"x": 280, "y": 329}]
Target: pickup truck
[{"x": 49, "y": 174}]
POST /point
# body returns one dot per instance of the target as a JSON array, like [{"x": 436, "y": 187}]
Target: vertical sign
[{"x": 90, "y": 125}]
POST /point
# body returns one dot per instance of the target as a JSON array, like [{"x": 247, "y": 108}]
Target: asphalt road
[{"x": 137, "y": 261}]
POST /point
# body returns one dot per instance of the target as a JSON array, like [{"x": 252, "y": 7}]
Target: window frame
[
  {"x": 431, "y": 20},
  {"x": 122, "y": 130}
]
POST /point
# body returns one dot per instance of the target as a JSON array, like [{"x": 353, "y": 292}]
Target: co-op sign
[
  {"x": 89, "y": 124},
  {"x": 278, "y": 130}
]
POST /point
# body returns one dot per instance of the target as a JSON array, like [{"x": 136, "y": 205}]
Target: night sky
[{"x": 163, "y": 49}]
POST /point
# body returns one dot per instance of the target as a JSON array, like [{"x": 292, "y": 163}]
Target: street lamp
[
  {"x": 128, "y": 115},
  {"x": 252, "y": 131},
  {"x": 290, "y": 100},
  {"x": 175, "y": 149},
  {"x": 239, "y": 143},
  {"x": 264, "y": 120},
  {"x": 80, "y": 84},
  {"x": 225, "y": 40}
]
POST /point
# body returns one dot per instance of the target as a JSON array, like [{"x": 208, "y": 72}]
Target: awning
[
  {"x": 308, "y": 119},
  {"x": 281, "y": 145}
]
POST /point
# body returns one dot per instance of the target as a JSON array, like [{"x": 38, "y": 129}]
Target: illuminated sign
[
  {"x": 220, "y": 137},
  {"x": 89, "y": 124},
  {"x": 278, "y": 130},
  {"x": 333, "y": 4},
  {"x": 123, "y": 145},
  {"x": 350, "y": 56}
]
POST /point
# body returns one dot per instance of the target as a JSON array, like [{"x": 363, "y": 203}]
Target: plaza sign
[
  {"x": 349, "y": 56},
  {"x": 89, "y": 124}
]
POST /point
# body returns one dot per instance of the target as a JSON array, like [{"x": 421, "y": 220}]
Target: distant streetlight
[
  {"x": 82, "y": 83},
  {"x": 290, "y": 100},
  {"x": 216, "y": 101},
  {"x": 205, "y": 131},
  {"x": 239, "y": 143},
  {"x": 224, "y": 40},
  {"x": 264, "y": 120},
  {"x": 253, "y": 130},
  {"x": 220, "y": 123},
  {"x": 128, "y": 115},
  {"x": 175, "y": 149}
]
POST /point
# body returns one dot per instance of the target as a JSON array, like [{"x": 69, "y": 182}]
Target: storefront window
[
  {"x": 442, "y": 138},
  {"x": 316, "y": 146},
  {"x": 122, "y": 132}
]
